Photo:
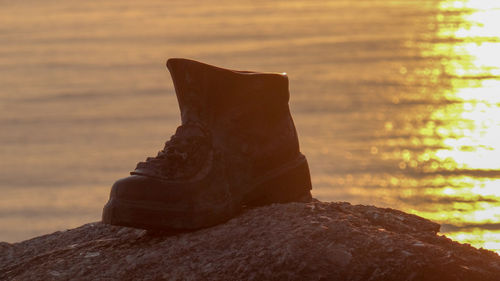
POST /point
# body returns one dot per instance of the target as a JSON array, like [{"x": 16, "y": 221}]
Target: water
[{"x": 396, "y": 102}]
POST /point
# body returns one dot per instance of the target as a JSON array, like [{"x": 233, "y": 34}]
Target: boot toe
[
  {"x": 145, "y": 202},
  {"x": 150, "y": 203},
  {"x": 129, "y": 188},
  {"x": 147, "y": 189}
]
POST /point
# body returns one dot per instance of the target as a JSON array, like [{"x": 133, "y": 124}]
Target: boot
[{"x": 237, "y": 146}]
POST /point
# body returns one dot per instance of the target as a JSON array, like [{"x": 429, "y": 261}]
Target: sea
[{"x": 396, "y": 102}]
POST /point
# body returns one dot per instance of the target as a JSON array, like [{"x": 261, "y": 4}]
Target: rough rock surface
[{"x": 295, "y": 241}]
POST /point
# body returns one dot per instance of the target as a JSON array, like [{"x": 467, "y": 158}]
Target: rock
[{"x": 295, "y": 241}]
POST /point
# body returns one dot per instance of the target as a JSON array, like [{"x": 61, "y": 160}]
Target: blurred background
[{"x": 396, "y": 102}]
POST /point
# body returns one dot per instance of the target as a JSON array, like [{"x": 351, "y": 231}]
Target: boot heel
[{"x": 290, "y": 184}]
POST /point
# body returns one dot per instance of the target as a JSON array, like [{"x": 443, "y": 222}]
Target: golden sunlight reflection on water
[{"x": 461, "y": 164}]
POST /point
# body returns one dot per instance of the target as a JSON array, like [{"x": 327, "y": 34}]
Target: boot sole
[
  {"x": 156, "y": 216},
  {"x": 288, "y": 183}
]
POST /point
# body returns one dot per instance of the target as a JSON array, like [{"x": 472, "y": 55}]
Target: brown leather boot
[{"x": 237, "y": 146}]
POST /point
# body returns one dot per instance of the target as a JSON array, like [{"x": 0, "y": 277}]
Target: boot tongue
[{"x": 190, "y": 130}]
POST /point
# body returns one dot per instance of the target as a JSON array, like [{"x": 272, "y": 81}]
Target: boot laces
[{"x": 180, "y": 153}]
